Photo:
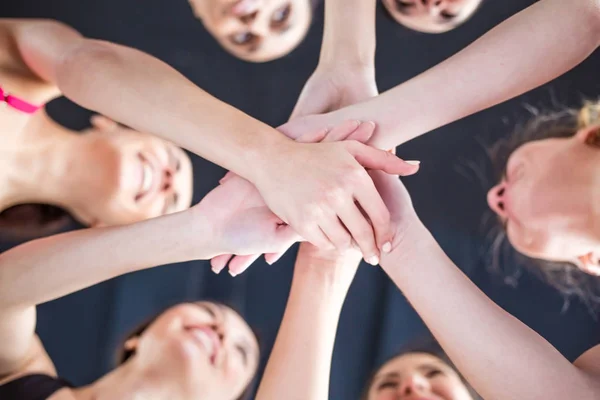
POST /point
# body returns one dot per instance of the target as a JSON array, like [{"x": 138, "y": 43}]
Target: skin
[
  {"x": 319, "y": 206},
  {"x": 417, "y": 376},
  {"x": 547, "y": 199},
  {"x": 255, "y": 30},
  {"x": 97, "y": 177},
  {"x": 431, "y": 16},
  {"x": 168, "y": 362},
  {"x": 471, "y": 328}
]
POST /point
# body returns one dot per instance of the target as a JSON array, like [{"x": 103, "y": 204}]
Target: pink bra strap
[{"x": 17, "y": 103}]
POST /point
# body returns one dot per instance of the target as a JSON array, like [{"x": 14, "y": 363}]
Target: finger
[
  {"x": 372, "y": 158},
  {"x": 227, "y": 177},
  {"x": 313, "y": 137},
  {"x": 364, "y": 133},
  {"x": 272, "y": 258},
  {"x": 336, "y": 232},
  {"x": 103, "y": 123},
  {"x": 316, "y": 237},
  {"x": 241, "y": 263},
  {"x": 369, "y": 199},
  {"x": 218, "y": 263},
  {"x": 362, "y": 232}
]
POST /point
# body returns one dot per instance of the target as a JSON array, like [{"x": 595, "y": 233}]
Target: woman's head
[
  {"x": 256, "y": 30},
  {"x": 547, "y": 197},
  {"x": 126, "y": 176},
  {"x": 420, "y": 374},
  {"x": 200, "y": 350},
  {"x": 431, "y": 16}
]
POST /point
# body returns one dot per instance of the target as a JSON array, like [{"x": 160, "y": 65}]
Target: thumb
[
  {"x": 382, "y": 160},
  {"x": 103, "y": 123}
]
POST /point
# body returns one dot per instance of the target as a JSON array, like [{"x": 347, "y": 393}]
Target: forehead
[
  {"x": 276, "y": 44},
  {"x": 410, "y": 362}
]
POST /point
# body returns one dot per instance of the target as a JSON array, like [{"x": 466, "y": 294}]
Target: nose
[
  {"x": 167, "y": 179},
  {"x": 246, "y": 10},
  {"x": 496, "y": 199},
  {"x": 415, "y": 384}
]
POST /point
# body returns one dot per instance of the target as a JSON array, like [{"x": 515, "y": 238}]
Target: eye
[
  {"x": 447, "y": 16},
  {"x": 281, "y": 16},
  {"x": 387, "y": 385},
  {"x": 403, "y": 6},
  {"x": 433, "y": 373},
  {"x": 243, "y": 353},
  {"x": 243, "y": 38}
]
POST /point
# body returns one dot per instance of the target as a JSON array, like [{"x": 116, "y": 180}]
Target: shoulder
[{"x": 36, "y": 362}]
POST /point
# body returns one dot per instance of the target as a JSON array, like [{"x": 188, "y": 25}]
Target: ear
[
  {"x": 103, "y": 123},
  {"x": 589, "y": 263},
  {"x": 132, "y": 343},
  {"x": 589, "y": 135}
]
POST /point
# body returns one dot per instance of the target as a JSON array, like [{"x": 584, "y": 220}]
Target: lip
[
  {"x": 208, "y": 339},
  {"x": 149, "y": 177}
]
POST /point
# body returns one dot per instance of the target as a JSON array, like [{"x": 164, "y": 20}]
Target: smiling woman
[
  {"x": 256, "y": 30},
  {"x": 431, "y": 16}
]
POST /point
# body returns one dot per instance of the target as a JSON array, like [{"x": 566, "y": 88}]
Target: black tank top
[{"x": 32, "y": 387}]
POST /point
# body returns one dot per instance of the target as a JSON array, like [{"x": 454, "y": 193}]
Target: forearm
[
  {"x": 349, "y": 33},
  {"x": 146, "y": 94},
  {"x": 499, "y": 355},
  {"x": 529, "y": 49},
  {"x": 45, "y": 269},
  {"x": 299, "y": 365}
]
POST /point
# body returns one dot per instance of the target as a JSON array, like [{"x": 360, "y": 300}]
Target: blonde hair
[{"x": 589, "y": 114}]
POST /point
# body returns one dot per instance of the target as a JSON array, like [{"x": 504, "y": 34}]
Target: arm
[
  {"x": 300, "y": 363},
  {"x": 45, "y": 269},
  {"x": 527, "y": 50},
  {"x": 346, "y": 71},
  {"x": 144, "y": 93},
  {"x": 499, "y": 355}
]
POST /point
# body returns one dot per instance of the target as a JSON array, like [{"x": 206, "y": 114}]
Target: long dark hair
[
  {"x": 426, "y": 345},
  {"x": 31, "y": 221},
  {"x": 124, "y": 354},
  {"x": 566, "y": 277}
]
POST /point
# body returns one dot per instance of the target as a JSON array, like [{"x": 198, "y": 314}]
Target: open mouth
[
  {"x": 208, "y": 339},
  {"x": 147, "y": 179}
]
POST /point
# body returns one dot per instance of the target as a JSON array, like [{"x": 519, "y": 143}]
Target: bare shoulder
[
  {"x": 36, "y": 362},
  {"x": 590, "y": 361}
]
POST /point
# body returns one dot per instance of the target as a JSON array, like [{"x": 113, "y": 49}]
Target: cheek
[{"x": 450, "y": 389}]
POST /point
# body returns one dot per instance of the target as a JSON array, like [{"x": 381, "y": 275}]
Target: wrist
[
  {"x": 409, "y": 245},
  {"x": 201, "y": 240},
  {"x": 264, "y": 154},
  {"x": 331, "y": 271}
]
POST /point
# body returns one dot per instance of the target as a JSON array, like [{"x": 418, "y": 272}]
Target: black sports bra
[{"x": 32, "y": 387}]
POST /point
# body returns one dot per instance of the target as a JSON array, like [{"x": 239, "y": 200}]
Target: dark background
[{"x": 83, "y": 331}]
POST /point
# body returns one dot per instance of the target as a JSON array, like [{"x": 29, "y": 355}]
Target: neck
[
  {"x": 127, "y": 382},
  {"x": 40, "y": 164}
]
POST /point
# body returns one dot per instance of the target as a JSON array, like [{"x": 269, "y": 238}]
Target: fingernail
[
  {"x": 232, "y": 273},
  {"x": 216, "y": 270},
  {"x": 413, "y": 162},
  {"x": 373, "y": 260},
  {"x": 387, "y": 247},
  {"x": 371, "y": 123},
  {"x": 357, "y": 123}
]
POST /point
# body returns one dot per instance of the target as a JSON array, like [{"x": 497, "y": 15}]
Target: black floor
[{"x": 82, "y": 331}]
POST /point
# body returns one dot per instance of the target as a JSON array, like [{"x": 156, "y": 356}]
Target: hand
[
  {"x": 242, "y": 224},
  {"x": 398, "y": 201},
  {"x": 243, "y": 192},
  {"x": 322, "y": 190},
  {"x": 331, "y": 87}
]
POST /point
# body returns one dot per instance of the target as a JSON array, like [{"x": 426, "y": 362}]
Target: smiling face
[
  {"x": 133, "y": 176},
  {"x": 417, "y": 376},
  {"x": 204, "y": 349},
  {"x": 256, "y": 30},
  {"x": 431, "y": 16}
]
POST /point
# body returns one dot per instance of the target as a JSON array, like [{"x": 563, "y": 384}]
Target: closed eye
[
  {"x": 387, "y": 385},
  {"x": 404, "y": 7},
  {"x": 244, "y": 353}
]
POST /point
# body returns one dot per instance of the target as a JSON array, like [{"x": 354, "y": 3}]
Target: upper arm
[
  {"x": 21, "y": 351},
  {"x": 590, "y": 361}
]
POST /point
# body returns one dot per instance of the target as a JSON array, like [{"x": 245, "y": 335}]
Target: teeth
[
  {"x": 147, "y": 181},
  {"x": 205, "y": 340}
]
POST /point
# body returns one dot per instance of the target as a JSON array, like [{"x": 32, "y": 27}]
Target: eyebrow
[{"x": 208, "y": 309}]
